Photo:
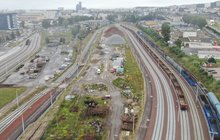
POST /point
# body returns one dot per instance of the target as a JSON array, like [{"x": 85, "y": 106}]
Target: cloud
[{"x": 70, "y": 4}]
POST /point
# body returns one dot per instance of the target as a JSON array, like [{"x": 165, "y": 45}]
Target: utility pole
[
  {"x": 51, "y": 99},
  {"x": 197, "y": 92},
  {"x": 133, "y": 124},
  {"x": 17, "y": 98},
  {"x": 22, "y": 120}
]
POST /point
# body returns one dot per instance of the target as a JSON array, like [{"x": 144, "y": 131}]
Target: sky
[{"x": 70, "y": 4}]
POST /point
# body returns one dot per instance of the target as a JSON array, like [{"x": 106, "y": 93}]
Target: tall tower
[{"x": 80, "y": 5}]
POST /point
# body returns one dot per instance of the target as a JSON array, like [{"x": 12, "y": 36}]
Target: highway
[
  {"x": 167, "y": 121},
  {"x": 19, "y": 55},
  {"x": 11, "y": 126}
]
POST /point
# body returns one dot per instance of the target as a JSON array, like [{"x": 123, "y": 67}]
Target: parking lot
[{"x": 54, "y": 60}]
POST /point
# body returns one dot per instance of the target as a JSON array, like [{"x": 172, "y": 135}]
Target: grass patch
[
  {"x": 97, "y": 87},
  {"x": 44, "y": 34},
  {"x": 69, "y": 123},
  {"x": 218, "y": 63},
  {"x": 132, "y": 79},
  {"x": 217, "y": 25},
  {"x": 9, "y": 94},
  {"x": 120, "y": 83},
  {"x": 133, "y": 75}
]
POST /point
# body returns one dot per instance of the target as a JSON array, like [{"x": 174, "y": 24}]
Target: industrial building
[
  {"x": 8, "y": 21},
  {"x": 208, "y": 54}
]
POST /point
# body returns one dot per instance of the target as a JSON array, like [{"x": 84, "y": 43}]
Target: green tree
[
  {"x": 22, "y": 24},
  {"x": 211, "y": 60},
  {"x": 112, "y": 18},
  {"x": 47, "y": 40},
  {"x": 46, "y": 23},
  {"x": 75, "y": 30},
  {"x": 195, "y": 20},
  {"x": 62, "y": 40},
  {"x": 178, "y": 43},
  {"x": 18, "y": 33},
  {"x": 1, "y": 40},
  {"x": 66, "y": 23},
  {"x": 12, "y": 35},
  {"x": 166, "y": 31},
  {"x": 130, "y": 18},
  {"x": 60, "y": 21}
]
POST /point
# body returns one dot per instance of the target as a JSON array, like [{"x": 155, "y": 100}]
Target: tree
[
  {"x": 22, "y": 24},
  {"x": 60, "y": 21},
  {"x": 12, "y": 35},
  {"x": 62, "y": 40},
  {"x": 18, "y": 33},
  {"x": 178, "y": 43},
  {"x": 66, "y": 23},
  {"x": 211, "y": 60},
  {"x": 112, "y": 17},
  {"x": 46, "y": 23},
  {"x": 130, "y": 18},
  {"x": 166, "y": 31},
  {"x": 47, "y": 40},
  {"x": 75, "y": 30},
  {"x": 1, "y": 40},
  {"x": 195, "y": 20}
]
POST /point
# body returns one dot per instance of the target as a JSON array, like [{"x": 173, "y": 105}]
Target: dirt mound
[
  {"x": 115, "y": 40},
  {"x": 113, "y": 30}
]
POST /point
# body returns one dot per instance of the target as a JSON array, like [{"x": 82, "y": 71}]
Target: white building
[
  {"x": 189, "y": 34},
  {"x": 208, "y": 54}
]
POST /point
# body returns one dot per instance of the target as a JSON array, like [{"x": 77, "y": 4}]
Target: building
[
  {"x": 79, "y": 6},
  {"x": 208, "y": 54},
  {"x": 189, "y": 34},
  {"x": 31, "y": 17},
  {"x": 8, "y": 21},
  {"x": 200, "y": 5}
]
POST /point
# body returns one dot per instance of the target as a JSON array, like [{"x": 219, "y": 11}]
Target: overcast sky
[{"x": 70, "y": 4}]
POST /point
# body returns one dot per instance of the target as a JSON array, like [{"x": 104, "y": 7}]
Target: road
[
  {"x": 11, "y": 126},
  {"x": 167, "y": 121},
  {"x": 9, "y": 62}
]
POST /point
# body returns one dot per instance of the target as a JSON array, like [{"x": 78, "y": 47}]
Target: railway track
[
  {"x": 196, "y": 126},
  {"x": 9, "y": 63},
  {"x": 188, "y": 124},
  {"x": 163, "y": 108},
  {"x": 11, "y": 125}
]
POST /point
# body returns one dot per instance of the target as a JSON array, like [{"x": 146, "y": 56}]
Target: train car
[
  {"x": 215, "y": 103},
  {"x": 188, "y": 79},
  {"x": 174, "y": 64},
  {"x": 212, "y": 98}
]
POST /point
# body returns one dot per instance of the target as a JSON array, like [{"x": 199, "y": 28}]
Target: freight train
[
  {"x": 210, "y": 103},
  {"x": 187, "y": 76},
  {"x": 178, "y": 90}
]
